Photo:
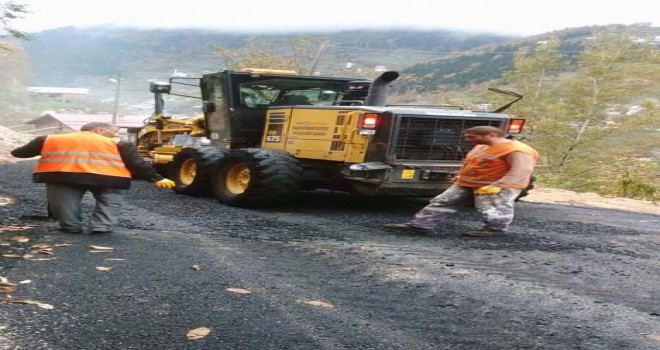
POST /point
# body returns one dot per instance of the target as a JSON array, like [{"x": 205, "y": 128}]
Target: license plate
[{"x": 408, "y": 174}]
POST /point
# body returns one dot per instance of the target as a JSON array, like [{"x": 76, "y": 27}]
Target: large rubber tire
[
  {"x": 255, "y": 177},
  {"x": 192, "y": 169}
]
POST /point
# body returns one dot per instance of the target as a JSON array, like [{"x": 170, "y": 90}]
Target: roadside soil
[{"x": 565, "y": 197}]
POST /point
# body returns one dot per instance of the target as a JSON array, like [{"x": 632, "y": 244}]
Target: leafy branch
[{"x": 10, "y": 11}]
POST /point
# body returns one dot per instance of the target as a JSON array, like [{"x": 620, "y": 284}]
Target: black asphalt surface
[{"x": 563, "y": 278}]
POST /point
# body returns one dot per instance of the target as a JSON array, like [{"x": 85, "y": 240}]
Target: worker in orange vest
[
  {"x": 493, "y": 175},
  {"x": 87, "y": 161}
]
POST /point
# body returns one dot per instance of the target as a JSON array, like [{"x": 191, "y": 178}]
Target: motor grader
[{"x": 266, "y": 135}]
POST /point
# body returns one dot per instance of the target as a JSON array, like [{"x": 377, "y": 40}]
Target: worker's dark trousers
[
  {"x": 496, "y": 209},
  {"x": 65, "y": 202}
]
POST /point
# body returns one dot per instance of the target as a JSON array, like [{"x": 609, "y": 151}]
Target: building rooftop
[
  {"x": 77, "y": 120},
  {"x": 56, "y": 90}
]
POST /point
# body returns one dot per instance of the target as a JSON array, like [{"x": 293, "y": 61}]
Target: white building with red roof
[{"x": 62, "y": 123}]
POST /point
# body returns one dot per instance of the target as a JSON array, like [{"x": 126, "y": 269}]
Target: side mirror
[
  {"x": 160, "y": 87},
  {"x": 208, "y": 107}
]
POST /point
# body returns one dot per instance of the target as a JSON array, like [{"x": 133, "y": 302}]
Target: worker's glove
[
  {"x": 487, "y": 190},
  {"x": 165, "y": 183}
]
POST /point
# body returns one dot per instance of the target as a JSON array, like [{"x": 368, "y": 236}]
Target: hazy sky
[{"x": 525, "y": 17}]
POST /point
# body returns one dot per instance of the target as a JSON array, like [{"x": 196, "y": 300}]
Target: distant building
[
  {"x": 59, "y": 93},
  {"x": 62, "y": 123}
]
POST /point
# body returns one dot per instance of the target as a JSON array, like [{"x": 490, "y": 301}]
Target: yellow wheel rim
[
  {"x": 187, "y": 172},
  {"x": 238, "y": 178}
]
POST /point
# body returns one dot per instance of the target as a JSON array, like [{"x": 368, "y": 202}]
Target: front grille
[{"x": 425, "y": 138}]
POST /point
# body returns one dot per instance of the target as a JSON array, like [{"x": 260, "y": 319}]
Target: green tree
[
  {"x": 14, "y": 75},
  {"x": 533, "y": 67},
  {"x": 10, "y": 11},
  {"x": 14, "y": 70},
  {"x": 302, "y": 54},
  {"x": 585, "y": 147}
]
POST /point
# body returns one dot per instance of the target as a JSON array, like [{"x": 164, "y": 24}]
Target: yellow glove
[
  {"x": 487, "y": 190},
  {"x": 165, "y": 183}
]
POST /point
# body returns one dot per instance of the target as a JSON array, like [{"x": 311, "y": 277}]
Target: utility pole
[{"x": 116, "y": 106}]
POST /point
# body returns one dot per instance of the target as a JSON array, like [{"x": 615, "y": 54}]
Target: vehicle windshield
[{"x": 291, "y": 91}]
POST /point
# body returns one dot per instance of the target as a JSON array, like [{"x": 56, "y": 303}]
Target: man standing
[
  {"x": 494, "y": 173},
  {"x": 89, "y": 160}
]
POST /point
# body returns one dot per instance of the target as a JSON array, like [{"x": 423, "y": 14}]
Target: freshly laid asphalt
[{"x": 322, "y": 273}]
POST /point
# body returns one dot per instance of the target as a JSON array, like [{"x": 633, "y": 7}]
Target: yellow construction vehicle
[
  {"x": 266, "y": 135},
  {"x": 163, "y": 136}
]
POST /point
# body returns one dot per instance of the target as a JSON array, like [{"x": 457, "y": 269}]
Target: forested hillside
[
  {"x": 489, "y": 61},
  {"x": 74, "y": 57},
  {"x": 63, "y": 55},
  {"x": 431, "y": 60}
]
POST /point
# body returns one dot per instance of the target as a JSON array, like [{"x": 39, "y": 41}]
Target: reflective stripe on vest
[
  {"x": 486, "y": 164},
  {"x": 82, "y": 152}
]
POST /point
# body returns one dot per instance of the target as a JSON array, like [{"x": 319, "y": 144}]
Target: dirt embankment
[
  {"x": 564, "y": 197},
  {"x": 10, "y": 139}
]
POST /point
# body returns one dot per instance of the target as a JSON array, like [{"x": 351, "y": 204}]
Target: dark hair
[
  {"x": 484, "y": 130},
  {"x": 97, "y": 125}
]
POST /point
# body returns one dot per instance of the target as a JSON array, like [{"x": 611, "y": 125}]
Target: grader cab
[{"x": 267, "y": 135}]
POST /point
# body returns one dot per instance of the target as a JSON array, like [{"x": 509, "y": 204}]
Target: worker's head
[
  {"x": 483, "y": 135},
  {"x": 105, "y": 129}
]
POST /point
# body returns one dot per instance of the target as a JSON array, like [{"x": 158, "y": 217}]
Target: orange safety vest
[
  {"x": 82, "y": 152},
  {"x": 486, "y": 164}
]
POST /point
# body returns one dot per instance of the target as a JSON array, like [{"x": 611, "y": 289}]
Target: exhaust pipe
[{"x": 379, "y": 89}]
